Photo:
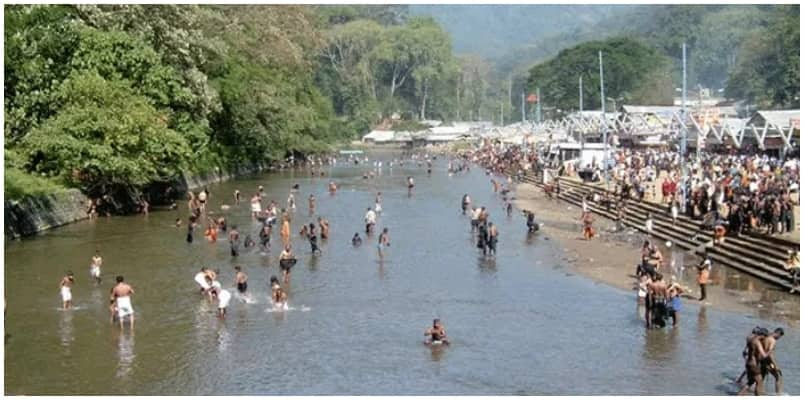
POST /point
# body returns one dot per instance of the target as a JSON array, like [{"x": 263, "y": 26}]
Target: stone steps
[{"x": 757, "y": 255}]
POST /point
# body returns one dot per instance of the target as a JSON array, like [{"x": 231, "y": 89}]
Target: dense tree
[
  {"x": 767, "y": 70},
  {"x": 634, "y": 73}
]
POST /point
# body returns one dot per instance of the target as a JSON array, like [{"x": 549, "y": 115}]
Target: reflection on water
[
  {"x": 125, "y": 354},
  {"x": 66, "y": 329},
  {"x": 702, "y": 326},
  {"x": 222, "y": 337}
]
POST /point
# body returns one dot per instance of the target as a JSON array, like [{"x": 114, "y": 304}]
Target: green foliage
[
  {"x": 20, "y": 184},
  {"x": 104, "y": 137},
  {"x": 634, "y": 73},
  {"x": 767, "y": 71}
]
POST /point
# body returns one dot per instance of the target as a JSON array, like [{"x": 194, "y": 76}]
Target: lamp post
[
  {"x": 603, "y": 121},
  {"x": 580, "y": 107}
]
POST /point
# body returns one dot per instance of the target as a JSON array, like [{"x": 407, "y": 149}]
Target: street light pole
[
  {"x": 538, "y": 105},
  {"x": 580, "y": 107},
  {"x": 523, "y": 107},
  {"x": 683, "y": 144},
  {"x": 603, "y": 120}
]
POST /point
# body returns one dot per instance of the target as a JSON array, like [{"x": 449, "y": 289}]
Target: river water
[{"x": 520, "y": 323}]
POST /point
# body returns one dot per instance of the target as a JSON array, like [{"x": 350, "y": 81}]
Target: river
[{"x": 520, "y": 323}]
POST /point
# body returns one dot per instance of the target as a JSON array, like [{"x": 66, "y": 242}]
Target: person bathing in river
[
  {"x": 466, "y": 202},
  {"x": 234, "y": 241},
  {"x": 223, "y": 301},
  {"x": 384, "y": 241},
  {"x": 356, "y": 240},
  {"x": 492, "y": 242},
  {"x": 378, "y": 203},
  {"x": 332, "y": 187},
  {"x": 311, "y": 204},
  {"x": 305, "y": 231},
  {"x": 212, "y": 232},
  {"x": 286, "y": 261},
  {"x": 265, "y": 237},
  {"x": 95, "y": 267},
  {"x": 436, "y": 333},
  {"x": 371, "y": 220},
  {"x": 410, "y": 185},
  {"x": 278, "y": 296},
  {"x": 284, "y": 232},
  {"x": 241, "y": 280},
  {"x": 65, "y": 286},
  {"x": 256, "y": 206},
  {"x": 324, "y": 225},
  {"x": 313, "y": 240},
  {"x": 201, "y": 279},
  {"x": 482, "y": 238},
  {"x": 475, "y": 219},
  {"x": 122, "y": 292}
]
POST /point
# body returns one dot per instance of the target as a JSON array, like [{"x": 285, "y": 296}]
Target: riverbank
[
  {"x": 611, "y": 258},
  {"x": 34, "y": 214}
]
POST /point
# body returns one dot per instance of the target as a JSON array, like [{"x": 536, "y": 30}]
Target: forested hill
[{"x": 491, "y": 31}]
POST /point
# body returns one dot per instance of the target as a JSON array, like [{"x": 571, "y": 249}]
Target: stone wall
[{"x": 31, "y": 215}]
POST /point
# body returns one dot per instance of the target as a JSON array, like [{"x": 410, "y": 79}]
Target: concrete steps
[{"x": 760, "y": 256}]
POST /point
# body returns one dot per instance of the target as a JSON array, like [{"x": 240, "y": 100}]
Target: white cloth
[
  {"x": 94, "y": 271},
  {"x": 216, "y": 284},
  {"x": 202, "y": 280},
  {"x": 255, "y": 207},
  {"x": 124, "y": 307},
  {"x": 371, "y": 217},
  {"x": 66, "y": 293},
  {"x": 223, "y": 298}
]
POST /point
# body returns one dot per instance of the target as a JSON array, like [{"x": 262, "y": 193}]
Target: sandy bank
[{"x": 611, "y": 258}]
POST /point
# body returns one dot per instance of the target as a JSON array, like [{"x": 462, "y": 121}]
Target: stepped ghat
[{"x": 759, "y": 255}]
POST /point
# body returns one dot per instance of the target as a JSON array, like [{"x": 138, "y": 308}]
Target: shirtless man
[
  {"x": 324, "y": 225},
  {"x": 383, "y": 241},
  {"x": 286, "y": 261},
  {"x": 278, "y": 296},
  {"x": 234, "y": 241},
  {"x": 265, "y": 237},
  {"x": 256, "y": 206},
  {"x": 769, "y": 365},
  {"x": 121, "y": 293},
  {"x": 436, "y": 333},
  {"x": 332, "y": 187},
  {"x": 492, "y": 238},
  {"x": 241, "y": 280},
  {"x": 95, "y": 266},
  {"x": 674, "y": 292},
  {"x": 371, "y": 220},
  {"x": 754, "y": 353},
  {"x": 654, "y": 301},
  {"x": 65, "y": 286},
  {"x": 410, "y": 185},
  {"x": 284, "y": 232},
  {"x": 311, "y": 204},
  {"x": 237, "y": 196}
]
